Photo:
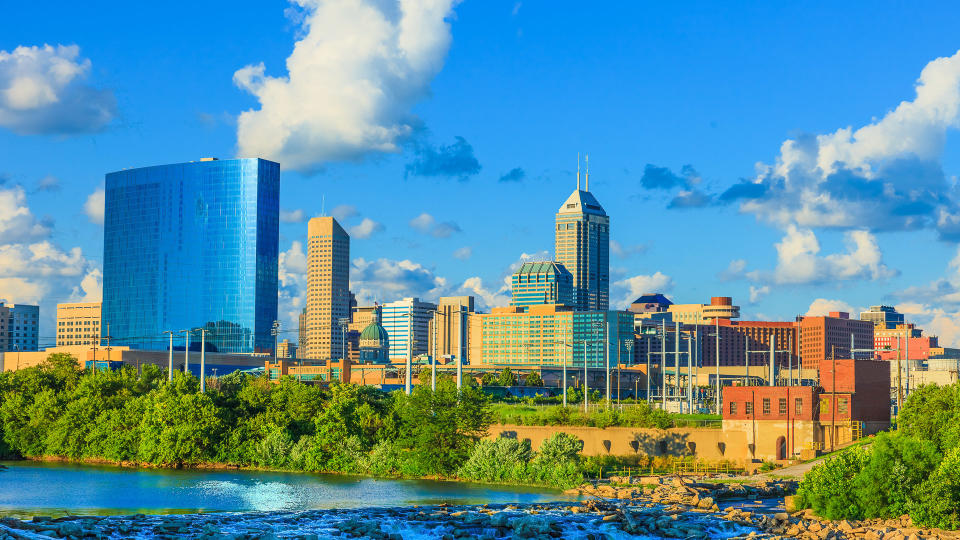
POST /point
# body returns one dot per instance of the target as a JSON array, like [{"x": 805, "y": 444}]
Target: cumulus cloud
[
  {"x": 365, "y": 229},
  {"x": 486, "y": 297},
  {"x": 355, "y": 73},
  {"x": 42, "y": 91},
  {"x": 90, "y": 288},
  {"x": 885, "y": 175},
  {"x": 514, "y": 175},
  {"x": 463, "y": 253},
  {"x": 17, "y": 222},
  {"x": 386, "y": 280},
  {"x": 758, "y": 293},
  {"x": 292, "y": 278},
  {"x": 633, "y": 287},
  {"x": 95, "y": 206},
  {"x": 799, "y": 262},
  {"x": 292, "y": 216},
  {"x": 823, "y": 306},
  {"x": 427, "y": 224},
  {"x": 624, "y": 252},
  {"x": 454, "y": 161}
]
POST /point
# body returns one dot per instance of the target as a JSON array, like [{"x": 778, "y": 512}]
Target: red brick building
[
  {"x": 822, "y": 336},
  {"x": 780, "y": 421}
]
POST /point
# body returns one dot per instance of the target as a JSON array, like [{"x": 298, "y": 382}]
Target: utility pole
[
  {"x": 409, "y": 378},
  {"x": 203, "y": 359},
  {"x": 585, "y": 401},
  {"x": 635, "y": 396},
  {"x": 170, "y": 359},
  {"x": 108, "y": 337},
  {"x": 663, "y": 367},
  {"x": 186, "y": 351},
  {"x": 676, "y": 367},
  {"x": 460, "y": 349}
]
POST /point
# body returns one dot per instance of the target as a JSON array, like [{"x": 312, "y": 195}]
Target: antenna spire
[
  {"x": 578, "y": 171},
  {"x": 323, "y": 205},
  {"x": 586, "y": 159}
]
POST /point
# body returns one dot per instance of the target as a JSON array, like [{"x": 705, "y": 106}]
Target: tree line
[{"x": 131, "y": 417}]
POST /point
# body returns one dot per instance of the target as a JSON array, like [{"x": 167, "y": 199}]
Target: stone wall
[{"x": 703, "y": 443}]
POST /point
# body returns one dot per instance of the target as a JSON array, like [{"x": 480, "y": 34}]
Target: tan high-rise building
[
  {"x": 449, "y": 329},
  {"x": 78, "y": 323},
  {"x": 328, "y": 288}
]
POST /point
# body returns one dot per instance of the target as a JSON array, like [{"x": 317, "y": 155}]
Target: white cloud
[
  {"x": 758, "y": 293},
  {"x": 42, "y": 92},
  {"x": 463, "y": 253},
  {"x": 886, "y": 175},
  {"x": 427, "y": 224},
  {"x": 386, "y": 280},
  {"x": 486, "y": 298},
  {"x": 292, "y": 278},
  {"x": 635, "y": 286},
  {"x": 95, "y": 206},
  {"x": 17, "y": 223},
  {"x": 292, "y": 216},
  {"x": 935, "y": 321},
  {"x": 823, "y": 306},
  {"x": 799, "y": 262},
  {"x": 352, "y": 79},
  {"x": 365, "y": 229},
  {"x": 90, "y": 289}
]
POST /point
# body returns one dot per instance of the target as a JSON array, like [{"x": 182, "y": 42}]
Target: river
[{"x": 152, "y": 503}]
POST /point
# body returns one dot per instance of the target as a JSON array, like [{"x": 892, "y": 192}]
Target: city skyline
[{"x": 451, "y": 203}]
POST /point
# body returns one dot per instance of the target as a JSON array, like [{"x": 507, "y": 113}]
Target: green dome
[{"x": 374, "y": 335}]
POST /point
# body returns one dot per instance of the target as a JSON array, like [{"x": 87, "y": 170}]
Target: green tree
[
  {"x": 889, "y": 484},
  {"x": 939, "y": 496},
  {"x": 533, "y": 379},
  {"x": 507, "y": 378},
  {"x": 829, "y": 487}
]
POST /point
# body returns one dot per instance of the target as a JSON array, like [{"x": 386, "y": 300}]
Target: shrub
[
  {"x": 829, "y": 487},
  {"x": 939, "y": 496},
  {"x": 888, "y": 486},
  {"x": 498, "y": 460}
]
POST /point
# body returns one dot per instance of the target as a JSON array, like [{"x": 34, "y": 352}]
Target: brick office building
[{"x": 781, "y": 421}]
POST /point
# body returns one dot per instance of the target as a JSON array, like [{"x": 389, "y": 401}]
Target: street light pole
[
  {"x": 606, "y": 350},
  {"x": 170, "y": 359},
  {"x": 186, "y": 351},
  {"x": 203, "y": 354},
  {"x": 409, "y": 378}
]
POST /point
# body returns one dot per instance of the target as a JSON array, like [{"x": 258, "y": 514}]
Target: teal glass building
[
  {"x": 189, "y": 246},
  {"x": 543, "y": 282}
]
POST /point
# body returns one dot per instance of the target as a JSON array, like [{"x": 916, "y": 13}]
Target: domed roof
[{"x": 374, "y": 335}]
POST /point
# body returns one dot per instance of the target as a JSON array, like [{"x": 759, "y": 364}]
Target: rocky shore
[
  {"x": 766, "y": 508},
  {"x": 591, "y": 519}
]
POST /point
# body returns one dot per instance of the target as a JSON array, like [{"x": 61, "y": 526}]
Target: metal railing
[{"x": 682, "y": 468}]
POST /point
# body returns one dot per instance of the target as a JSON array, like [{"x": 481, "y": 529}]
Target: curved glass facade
[{"x": 188, "y": 246}]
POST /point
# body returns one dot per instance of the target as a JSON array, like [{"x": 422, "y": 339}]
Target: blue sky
[{"x": 446, "y": 137}]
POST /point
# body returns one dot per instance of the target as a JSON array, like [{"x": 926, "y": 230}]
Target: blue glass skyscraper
[{"x": 192, "y": 245}]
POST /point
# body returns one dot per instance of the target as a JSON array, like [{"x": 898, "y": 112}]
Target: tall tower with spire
[{"x": 583, "y": 246}]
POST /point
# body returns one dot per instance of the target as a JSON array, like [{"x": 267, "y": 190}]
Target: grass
[{"x": 638, "y": 416}]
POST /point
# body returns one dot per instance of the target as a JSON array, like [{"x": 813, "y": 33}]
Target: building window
[
  {"x": 824, "y": 406},
  {"x": 748, "y": 407},
  {"x": 766, "y": 406},
  {"x": 782, "y": 404},
  {"x": 733, "y": 407},
  {"x": 798, "y": 406},
  {"x": 842, "y": 406}
]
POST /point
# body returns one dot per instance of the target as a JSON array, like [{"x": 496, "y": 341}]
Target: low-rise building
[
  {"x": 21, "y": 329},
  {"x": 780, "y": 422}
]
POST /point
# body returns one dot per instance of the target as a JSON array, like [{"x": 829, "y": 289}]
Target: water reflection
[{"x": 28, "y": 488}]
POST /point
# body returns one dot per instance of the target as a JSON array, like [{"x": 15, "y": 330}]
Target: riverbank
[{"x": 764, "y": 505}]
